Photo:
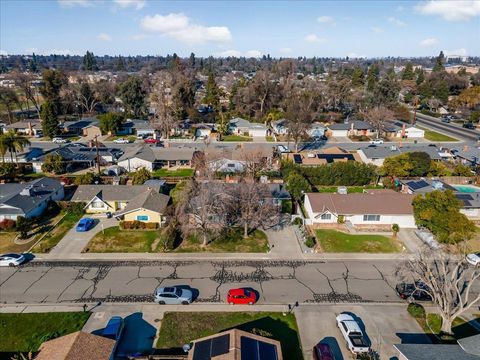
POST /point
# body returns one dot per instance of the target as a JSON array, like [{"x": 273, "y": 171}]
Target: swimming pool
[{"x": 467, "y": 188}]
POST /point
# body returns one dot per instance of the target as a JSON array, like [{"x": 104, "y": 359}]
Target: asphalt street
[{"x": 278, "y": 282}]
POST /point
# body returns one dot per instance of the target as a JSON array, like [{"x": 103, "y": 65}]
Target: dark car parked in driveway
[
  {"x": 322, "y": 352},
  {"x": 413, "y": 292}
]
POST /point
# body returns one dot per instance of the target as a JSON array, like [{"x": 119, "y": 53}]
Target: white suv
[
  {"x": 58, "y": 140},
  {"x": 376, "y": 141}
]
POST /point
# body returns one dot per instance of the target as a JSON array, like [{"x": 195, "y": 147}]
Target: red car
[
  {"x": 151, "y": 141},
  {"x": 241, "y": 296}
]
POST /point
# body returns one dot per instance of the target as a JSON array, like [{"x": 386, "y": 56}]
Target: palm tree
[
  {"x": 3, "y": 147},
  {"x": 15, "y": 143}
]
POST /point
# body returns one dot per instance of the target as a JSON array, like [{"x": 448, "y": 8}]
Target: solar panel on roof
[
  {"x": 207, "y": 349},
  {"x": 415, "y": 185},
  {"x": 201, "y": 350},
  {"x": 464, "y": 196},
  {"x": 252, "y": 349},
  {"x": 297, "y": 159},
  {"x": 220, "y": 345}
]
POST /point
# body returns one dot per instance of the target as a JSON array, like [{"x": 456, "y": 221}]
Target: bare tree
[
  {"x": 449, "y": 281},
  {"x": 161, "y": 100},
  {"x": 87, "y": 97},
  {"x": 254, "y": 206},
  {"x": 254, "y": 159},
  {"x": 377, "y": 117},
  {"x": 300, "y": 113},
  {"x": 8, "y": 98},
  {"x": 201, "y": 211},
  {"x": 32, "y": 95}
]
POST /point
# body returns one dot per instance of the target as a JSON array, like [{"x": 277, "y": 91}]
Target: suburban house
[
  {"x": 327, "y": 156},
  {"x": 466, "y": 155},
  {"x": 79, "y": 156},
  {"x": 354, "y": 128},
  {"x": 241, "y": 126},
  {"x": 280, "y": 127},
  {"x": 28, "y": 127},
  {"x": 136, "y": 126},
  {"x": 316, "y": 130},
  {"x": 467, "y": 348},
  {"x": 77, "y": 346},
  {"x": 376, "y": 209},
  {"x": 470, "y": 201},
  {"x": 27, "y": 155},
  {"x": 398, "y": 129},
  {"x": 235, "y": 344},
  {"x": 236, "y": 160},
  {"x": 203, "y": 130},
  {"x": 29, "y": 199},
  {"x": 152, "y": 157},
  {"x": 129, "y": 202},
  {"x": 377, "y": 154},
  {"x": 79, "y": 127}
]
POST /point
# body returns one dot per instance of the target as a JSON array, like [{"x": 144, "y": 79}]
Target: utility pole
[
  {"x": 98, "y": 156},
  {"x": 415, "y": 104}
]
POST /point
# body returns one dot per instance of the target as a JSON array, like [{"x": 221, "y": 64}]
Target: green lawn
[
  {"x": 350, "y": 189},
  {"x": 236, "y": 138},
  {"x": 57, "y": 233},
  {"x": 115, "y": 240},
  {"x": 180, "y": 328},
  {"x": 338, "y": 242},
  {"x": 173, "y": 173},
  {"x": 233, "y": 241},
  {"x": 269, "y": 138},
  {"x": 436, "y": 136},
  {"x": 27, "y": 331}
]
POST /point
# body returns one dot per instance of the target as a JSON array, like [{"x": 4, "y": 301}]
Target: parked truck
[{"x": 352, "y": 334}]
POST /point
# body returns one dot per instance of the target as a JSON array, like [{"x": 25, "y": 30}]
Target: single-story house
[
  {"x": 27, "y": 127},
  {"x": 353, "y": 128},
  {"x": 371, "y": 209},
  {"x": 280, "y": 127},
  {"x": 77, "y": 127},
  {"x": 29, "y": 199},
  {"x": 130, "y": 202},
  {"x": 325, "y": 156},
  {"x": 203, "y": 130},
  {"x": 377, "y": 154},
  {"x": 136, "y": 126},
  {"x": 236, "y": 160},
  {"x": 467, "y": 348},
  {"x": 77, "y": 346},
  {"x": 152, "y": 157},
  {"x": 235, "y": 344},
  {"x": 241, "y": 126},
  {"x": 316, "y": 130},
  {"x": 399, "y": 129},
  {"x": 466, "y": 155},
  {"x": 25, "y": 156}
]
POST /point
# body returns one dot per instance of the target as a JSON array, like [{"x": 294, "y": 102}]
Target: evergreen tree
[
  {"x": 133, "y": 96},
  {"x": 32, "y": 64},
  {"x": 89, "y": 62},
  {"x": 408, "y": 72},
  {"x": 212, "y": 92},
  {"x": 49, "y": 119},
  {"x": 53, "y": 80},
  {"x": 439, "y": 63},
  {"x": 191, "y": 60},
  {"x": 372, "y": 76},
  {"x": 357, "y": 77},
  {"x": 420, "y": 77}
]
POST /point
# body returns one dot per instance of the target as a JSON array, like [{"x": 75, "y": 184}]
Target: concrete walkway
[
  {"x": 410, "y": 240},
  {"x": 74, "y": 242}
]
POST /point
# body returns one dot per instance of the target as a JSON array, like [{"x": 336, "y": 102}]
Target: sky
[{"x": 241, "y": 28}]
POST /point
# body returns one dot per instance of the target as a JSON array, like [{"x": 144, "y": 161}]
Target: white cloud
[
  {"x": 104, "y": 37},
  {"x": 325, "y": 19},
  {"x": 178, "y": 26},
  {"x": 285, "y": 50},
  {"x": 138, "y": 37},
  {"x": 3, "y": 53},
  {"x": 396, "y": 21},
  {"x": 429, "y": 42},
  {"x": 137, "y": 4},
  {"x": 450, "y": 10},
  {"x": 377, "y": 30},
  {"x": 236, "y": 53},
  {"x": 313, "y": 38},
  {"x": 72, "y": 3},
  {"x": 356, "y": 56},
  {"x": 461, "y": 52}
]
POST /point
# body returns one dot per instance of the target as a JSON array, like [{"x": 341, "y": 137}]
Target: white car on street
[
  {"x": 121, "y": 141},
  {"x": 376, "y": 141},
  {"x": 58, "y": 140},
  {"x": 474, "y": 259},
  {"x": 352, "y": 333},
  {"x": 11, "y": 259}
]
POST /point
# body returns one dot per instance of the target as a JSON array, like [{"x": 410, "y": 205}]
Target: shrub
[
  {"x": 85, "y": 179},
  {"x": 416, "y": 310},
  {"x": 77, "y": 208},
  {"x": 7, "y": 225},
  {"x": 138, "y": 225},
  {"x": 23, "y": 226},
  {"x": 298, "y": 221},
  {"x": 310, "y": 242}
]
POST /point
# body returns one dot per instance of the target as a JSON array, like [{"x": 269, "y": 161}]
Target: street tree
[
  {"x": 162, "y": 103},
  {"x": 377, "y": 116},
  {"x": 449, "y": 281},
  {"x": 49, "y": 119},
  {"x": 110, "y": 122},
  {"x": 133, "y": 96}
]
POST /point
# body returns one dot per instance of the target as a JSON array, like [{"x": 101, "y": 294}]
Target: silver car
[
  {"x": 173, "y": 296},
  {"x": 11, "y": 259}
]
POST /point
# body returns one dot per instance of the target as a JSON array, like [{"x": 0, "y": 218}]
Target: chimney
[
  {"x": 404, "y": 126},
  {"x": 27, "y": 191},
  {"x": 30, "y": 129},
  {"x": 465, "y": 147}
]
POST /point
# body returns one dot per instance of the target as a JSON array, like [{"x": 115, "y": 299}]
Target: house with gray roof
[
  {"x": 351, "y": 128},
  {"x": 377, "y": 154},
  {"x": 77, "y": 127},
  {"x": 136, "y": 126},
  {"x": 28, "y": 127},
  {"x": 28, "y": 199},
  {"x": 466, "y": 155},
  {"x": 241, "y": 126},
  {"x": 152, "y": 157}
]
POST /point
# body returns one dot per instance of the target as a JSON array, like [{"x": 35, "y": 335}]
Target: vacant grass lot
[
  {"x": 27, "y": 331},
  {"x": 436, "y": 136},
  {"x": 179, "y": 328},
  {"x": 115, "y": 240},
  {"x": 173, "y": 173},
  {"x": 236, "y": 138},
  {"x": 58, "y": 232},
  {"x": 338, "y": 242},
  {"x": 233, "y": 241}
]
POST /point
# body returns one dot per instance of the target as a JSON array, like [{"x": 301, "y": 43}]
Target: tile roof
[
  {"x": 77, "y": 346},
  {"x": 385, "y": 203}
]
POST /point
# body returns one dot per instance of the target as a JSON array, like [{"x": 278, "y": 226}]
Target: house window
[
  {"x": 143, "y": 217},
  {"x": 326, "y": 216},
  {"x": 97, "y": 204},
  {"x": 371, "y": 217},
  {"x": 231, "y": 165}
]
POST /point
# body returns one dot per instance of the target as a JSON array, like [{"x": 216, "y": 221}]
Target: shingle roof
[
  {"x": 386, "y": 203},
  {"x": 110, "y": 192},
  {"x": 382, "y": 152},
  {"x": 149, "y": 200},
  {"x": 437, "y": 352},
  {"x": 76, "y": 346},
  {"x": 471, "y": 344},
  {"x": 152, "y": 153},
  {"x": 357, "y": 125}
]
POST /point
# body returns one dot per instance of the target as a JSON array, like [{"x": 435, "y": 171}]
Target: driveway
[
  {"x": 74, "y": 242},
  {"x": 385, "y": 325}
]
